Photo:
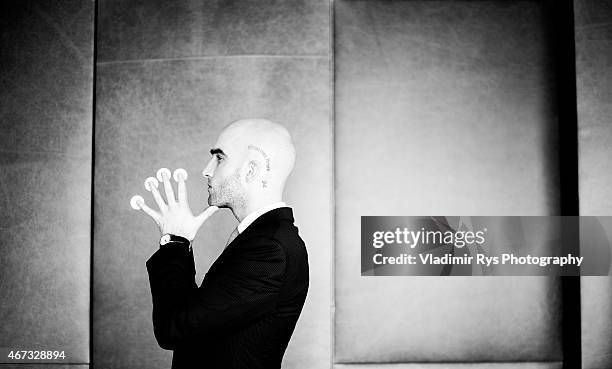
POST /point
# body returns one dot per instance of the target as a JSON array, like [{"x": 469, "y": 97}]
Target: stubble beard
[{"x": 226, "y": 194}]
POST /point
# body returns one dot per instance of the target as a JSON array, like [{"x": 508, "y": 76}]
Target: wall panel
[
  {"x": 45, "y": 188},
  {"x": 593, "y": 25},
  {"x": 443, "y": 108},
  {"x": 44, "y": 366},
  {"x": 166, "y": 86},
  {"x": 486, "y": 365},
  {"x": 134, "y": 30}
]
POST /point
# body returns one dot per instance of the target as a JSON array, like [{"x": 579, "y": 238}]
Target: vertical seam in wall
[
  {"x": 93, "y": 162},
  {"x": 565, "y": 58},
  {"x": 332, "y": 115}
]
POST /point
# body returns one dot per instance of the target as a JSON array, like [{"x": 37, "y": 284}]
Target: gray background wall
[
  {"x": 443, "y": 107},
  {"x": 594, "y": 91},
  {"x": 46, "y": 56},
  {"x": 466, "y": 92},
  {"x": 170, "y": 75}
]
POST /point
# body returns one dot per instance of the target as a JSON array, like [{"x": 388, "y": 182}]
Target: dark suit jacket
[{"x": 245, "y": 310}]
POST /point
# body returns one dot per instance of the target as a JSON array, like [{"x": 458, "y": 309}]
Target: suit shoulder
[
  {"x": 287, "y": 236},
  {"x": 284, "y": 234}
]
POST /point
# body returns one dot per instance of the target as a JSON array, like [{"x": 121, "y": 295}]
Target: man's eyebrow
[{"x": 217, "y": 151}]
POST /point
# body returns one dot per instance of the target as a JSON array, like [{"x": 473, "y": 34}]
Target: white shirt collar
[{"x": 257, "y": 213}]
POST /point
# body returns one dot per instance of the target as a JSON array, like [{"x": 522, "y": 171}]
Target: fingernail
[
  {"x": 150, "y": 182},
  {"x": 180, "y": 173},
  {"x": 163, "y": 174},
  {"x": 135, "y": 202}
]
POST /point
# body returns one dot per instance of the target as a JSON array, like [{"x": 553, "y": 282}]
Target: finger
[
  {"x": 164, "y": 174},
  {"x": 206, "y": 214},
  {"x": 151, "y": 185},
  {"x": 134, "y": 202},
  {"x": 150, "y": 182},
  {"x": 180, "y": 176},
  {"x": 179, "y": 172},
  {"x": 162, "y": 171},
  {"x": 152, "y": 213}
]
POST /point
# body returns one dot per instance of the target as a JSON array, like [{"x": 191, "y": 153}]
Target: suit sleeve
[{"x": 247, "y": 288}]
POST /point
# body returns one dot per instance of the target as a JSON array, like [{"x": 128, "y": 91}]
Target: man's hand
[{"x": 174, "y": 216}]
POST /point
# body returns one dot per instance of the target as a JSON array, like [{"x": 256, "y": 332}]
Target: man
[{"x": 245, "y": 310}]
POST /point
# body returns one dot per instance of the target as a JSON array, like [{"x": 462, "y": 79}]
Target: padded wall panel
[
  {"x": 146, "y": 29},
  {"x": 45, "y": 188},
  {"x": 155, "y": 114},
  {"x": 593, "y": 28},
  {"x": 170, "y": 76},
  {"x": 42, "y": 366},
  {"x": 443, "y": 108},
  {"x": 522, "y": 365},
  {"x": 593, "y": 32}
]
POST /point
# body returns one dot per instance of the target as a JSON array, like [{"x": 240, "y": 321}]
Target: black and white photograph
[{"x": 306, "y": 184}]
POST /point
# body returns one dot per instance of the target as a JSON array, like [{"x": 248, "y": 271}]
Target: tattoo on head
[{"x": 263, "y": 153}]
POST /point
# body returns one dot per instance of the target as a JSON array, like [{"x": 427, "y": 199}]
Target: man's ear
[{"x": 252, "y": 171}]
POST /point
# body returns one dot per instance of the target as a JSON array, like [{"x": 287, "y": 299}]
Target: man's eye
[{"x": 219, "y": 158}]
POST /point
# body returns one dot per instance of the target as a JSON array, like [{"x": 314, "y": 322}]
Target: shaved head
[
  {"x": 265, "y": 141},
  {"x": 259, "y": 156}
]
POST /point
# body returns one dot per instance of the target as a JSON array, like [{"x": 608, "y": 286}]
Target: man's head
[{"x": 250, "y": 163}]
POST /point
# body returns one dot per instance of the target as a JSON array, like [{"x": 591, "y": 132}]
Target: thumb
[{"x": 201, "y": 218}]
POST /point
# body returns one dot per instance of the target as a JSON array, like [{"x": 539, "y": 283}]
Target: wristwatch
[{"x": 169, "y": 239}]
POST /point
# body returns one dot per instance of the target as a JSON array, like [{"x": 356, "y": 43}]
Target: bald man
[{"x": 246, "y": 308}]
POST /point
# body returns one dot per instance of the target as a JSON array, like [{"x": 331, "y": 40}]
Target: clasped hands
[{"x": 174, "y": 215}]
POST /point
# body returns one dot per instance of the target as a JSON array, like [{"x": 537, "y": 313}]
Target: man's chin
[{"x": 212, "y": 202}]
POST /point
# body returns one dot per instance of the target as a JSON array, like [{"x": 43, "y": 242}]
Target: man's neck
[{"x": 242, "y": 212}]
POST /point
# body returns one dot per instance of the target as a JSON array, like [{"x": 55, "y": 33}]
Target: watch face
[{"x": 165, "y": 239}]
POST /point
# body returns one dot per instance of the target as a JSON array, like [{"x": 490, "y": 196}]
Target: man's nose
[{"x": 209, "y": 170}]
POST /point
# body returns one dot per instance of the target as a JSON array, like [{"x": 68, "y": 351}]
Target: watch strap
[{"x": 171, "y": 239}]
